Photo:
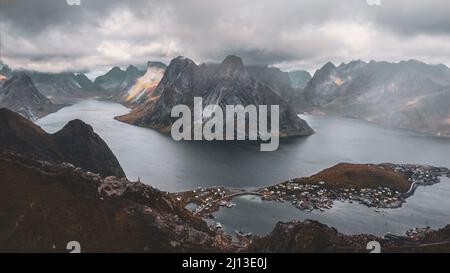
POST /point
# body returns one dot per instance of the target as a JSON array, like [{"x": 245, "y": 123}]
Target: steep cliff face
[
  {"x": 299, "y": 78},
  {"x": 63, "y": 88},
  {"x": 59, "y": 88},
  {"x": 228, "y": 83},
  {"x": 144, "y": 86},
  {"x": 20, "y": 95},
  {"x": 116, "y": 82},
  {"x": 5, "y": 74},
  {"x": 76, "y": 143},
  {"x": 278, "y": 81},
  {"x": 44, "y": 205},
  {"x": 117, "y": 78},
  {"x": 81, "y": 146},
  {"x": 410, "y": 95}
]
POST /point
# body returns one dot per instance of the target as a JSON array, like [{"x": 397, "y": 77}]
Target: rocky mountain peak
[
  {"x": 228, "y": 83},
  {"x": 299, "y": 78},
  {"x": 323, "y": 73},
  {"x": 10, "y": 121},
  {"x": 21, "y": 95},
  {"x": 76, "y": 143},
  {"x": 21, "y": 88},
  {"x": 388, "y": 93},
  {"x": 132, "y": 69},
  {"x": 232, "y": 67},
  {"x": 6, "y": 71},
  {"x": 82, "y": 147},
  {"x": 19, "y": 135},
  {"x": 116, "y": 69},
  {"x": 21, "y": 79},
  {"x": 233, "y": 60},
  {"x": 160, "y": 65},
  {"x": 179, "y": 62},
  {"x": 329, "y": 66},
  {"x": 176, "y": 67},
  {"x": 77, "y": 127}
]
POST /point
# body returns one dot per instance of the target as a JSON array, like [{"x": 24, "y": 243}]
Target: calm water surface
[
  {"x": 429, "y": 206},
  {"x": 176, "y": 166}
]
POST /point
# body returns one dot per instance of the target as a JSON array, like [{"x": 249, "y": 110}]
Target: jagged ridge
[{"x": 76, "y": 143}]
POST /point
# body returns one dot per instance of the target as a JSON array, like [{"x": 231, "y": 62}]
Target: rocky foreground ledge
[
  {"x": 44, "y": 205},
  {"x": 314, "y": 237}
]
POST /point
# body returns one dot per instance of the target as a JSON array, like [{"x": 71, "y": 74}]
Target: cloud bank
[{"x": 49, "y": 35}]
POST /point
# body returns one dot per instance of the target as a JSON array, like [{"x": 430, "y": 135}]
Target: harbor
[
  {"x": 312, "y": 197},
  {"x": 309, "y": 195}
]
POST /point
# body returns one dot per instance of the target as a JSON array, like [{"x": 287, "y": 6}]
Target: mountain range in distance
[
  {"x": 131, "y": 86},
  {"x": 20, "y": 94},
  {"x": 227, "y": 83},
  {"x": 408, "y": 95}
]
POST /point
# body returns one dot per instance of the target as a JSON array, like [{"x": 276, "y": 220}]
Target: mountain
[
  {"x": 410, "y": 94},
  {"x": 45, "y": 205},
  {"x": 154, "y": 64},
  {"x": 63, "y": 88},
  {"x": 299, "y": 78},
  {"x": 228, "y": 83},
  {"x": 85, "y": 82},
  {"x": 313, "y": 237},
  {"x": 20, "y": 95},
  {"x": 278, "y": 81},
  {"x": 116, "y": 82},
  {"x": 76, "y": 143},
  {"x": 5, "y": 74},
  {"x": 144, "y": 86},
  {"x": 60, "y": 88}
]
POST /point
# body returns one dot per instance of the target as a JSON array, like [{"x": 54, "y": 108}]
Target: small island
[{"x": 374, "y": 185}]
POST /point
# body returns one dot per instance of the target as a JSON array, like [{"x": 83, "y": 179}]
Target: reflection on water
[
  {"x": 176, "y": 166},
  {"x": 429, "y": 206}
]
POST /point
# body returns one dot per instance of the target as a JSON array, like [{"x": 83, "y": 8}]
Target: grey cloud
[
  {"x": 408, "y": 17},
  {"x": 50, "y": 35}
]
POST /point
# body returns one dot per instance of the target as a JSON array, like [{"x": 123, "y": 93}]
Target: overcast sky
[{"x": 49, "y": 35}]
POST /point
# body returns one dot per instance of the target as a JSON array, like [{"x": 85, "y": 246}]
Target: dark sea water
[
  {"x": 175, "y": 166},
  {"x": 429, "y": 206}
]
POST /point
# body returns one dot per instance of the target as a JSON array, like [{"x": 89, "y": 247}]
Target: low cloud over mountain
[{"x": 50, "y": 35}]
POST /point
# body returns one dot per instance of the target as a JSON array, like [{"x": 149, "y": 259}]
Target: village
[
  {"x": 319, "y": 196},
  {"x": 204, "y": 201},
  {"x": 419, "y": 175},
  {"x": 308, "y": 197}
]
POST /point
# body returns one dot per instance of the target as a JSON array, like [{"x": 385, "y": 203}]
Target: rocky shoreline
[
  {"x": 104, "y": 214},
  {"x": 307, "y": 194},
  {"x": 316, "y": 193},
  {"x": 319, "y": 193}
]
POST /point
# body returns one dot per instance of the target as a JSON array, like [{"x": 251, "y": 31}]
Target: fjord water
[
  {"x": 429, "y": 206},
  {"x": 175, "y": 166}
]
